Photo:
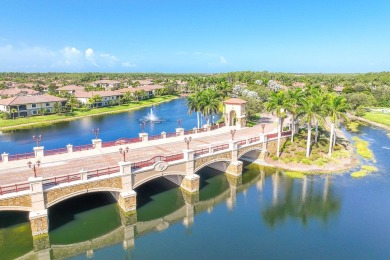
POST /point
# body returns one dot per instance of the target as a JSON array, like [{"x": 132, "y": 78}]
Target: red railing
[
  {"x": 188, "y": 132},
  {"x": 56, "y": 151},
  {"x": 201, "y": 151},
  {"x": 221, "y": 124},
  {"x": 103, "y": 171},
  {"x": 200, "y": 130},
  {"x": 270, "y": 136},
  {"x": 220, "y": 147},
  {"x": 155, "y": 159},
  {"x": 14, "y": 188},
  {"x": 154, "y": 137},
  {"x": 15, "y": 157},
  {"x": 83, "y": 147},
  {"x": 168, "y": 135},
  {"x": 286, "y": 133},
  {"x": 62, "y": 179},
  {"x": 253, "y": 139},
  {"x": 214, "y": 127},
  {"x": 241, "y": 142}
]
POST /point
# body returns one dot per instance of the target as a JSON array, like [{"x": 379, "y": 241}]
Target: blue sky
[{"x": 195, "y": 36}]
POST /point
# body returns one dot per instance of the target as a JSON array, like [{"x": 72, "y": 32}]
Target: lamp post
[
  {"x": 124, "y": 152},
  {"x": 37, "y": 139},
  {"x": 34, "y": 167},
  {"x": 188, "y": 141},
  {"x": 142, "y": 125},
  {"x": 179, "y": 122},
  {"x": 262, "y": 127},
  {"x": 96, "y": 132},
  {"x": 232, "y": 132}
]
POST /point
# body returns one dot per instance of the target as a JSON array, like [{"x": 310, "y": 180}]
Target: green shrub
[
  {"x": 306, "y": 161},
  {"x": 275, "y": 158}
]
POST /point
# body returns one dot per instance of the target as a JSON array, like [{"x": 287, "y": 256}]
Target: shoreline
[
  {"x": 369, "y": 122},
  {"x": 6, "y": 129}
]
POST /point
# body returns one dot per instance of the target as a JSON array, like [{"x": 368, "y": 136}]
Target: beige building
[
  {"x": 107, "y": 96},
  {"x": 30, "y": 105}
]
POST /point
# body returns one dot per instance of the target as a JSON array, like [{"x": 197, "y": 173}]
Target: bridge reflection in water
[{"x": 286, "y": 201}]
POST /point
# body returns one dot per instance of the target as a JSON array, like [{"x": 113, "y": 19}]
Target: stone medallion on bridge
[
  {"x": 160, "y": 166},
  {"x": 55, "y": 195},
  {"x": 203, "y": 161}
]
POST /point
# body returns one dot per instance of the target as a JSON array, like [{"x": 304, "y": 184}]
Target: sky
[{"x": 200, "y": 36}]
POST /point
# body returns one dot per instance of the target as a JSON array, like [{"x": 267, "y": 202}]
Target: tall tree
[
  {"x": 277, "y": 104},
  {"x": 293, "y": 104},
  {"x": 336, "y": 107}
]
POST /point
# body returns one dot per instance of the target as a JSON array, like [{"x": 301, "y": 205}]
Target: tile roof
[
  {"x": 24, "y": 100},
  {"x": 234, "y": 101},
  {"x": 84, "y": 94},
  {"x": 70, "y": 88}
]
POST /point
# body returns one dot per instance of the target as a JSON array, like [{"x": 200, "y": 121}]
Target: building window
[
  {"x": 48, "y": 104},
  {"x": 34, "y": 112},
  {"x": 34, "y": 105}
]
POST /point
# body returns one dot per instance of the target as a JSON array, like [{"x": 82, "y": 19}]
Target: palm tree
[
  {"x": 193, "y": 103},
  {"x": 293, "y": 104},
  {"x": 210, "y": 103},
  {"x": 311, "y": 112},
  {"x": 72, "y": 103},
  {"x": 13, "y": 111},
  {"x": 336, "y": 108},
  {"x": 277, "y": 104}
]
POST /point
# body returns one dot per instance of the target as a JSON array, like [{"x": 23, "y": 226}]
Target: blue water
[{"x": 112, "y": 127}]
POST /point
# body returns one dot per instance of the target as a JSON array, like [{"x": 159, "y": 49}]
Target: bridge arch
[
  {"x": 67, "y": 196},
  {"x": 213, "y": 161},
  {"x": 155, "y": 175},
  {"x": 248, "y": 150},
  {"x": 15, "y": 208}
]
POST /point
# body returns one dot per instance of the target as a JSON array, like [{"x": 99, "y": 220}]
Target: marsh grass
[
  {"x": 362, "y": 149},
  {"x": 295, "y": 175}
]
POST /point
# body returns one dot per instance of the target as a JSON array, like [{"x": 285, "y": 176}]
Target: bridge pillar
[
  {"x": 38, "y": 216},
  {"x": 128, "y": 201},
  {"x": 144, "y": 137},
  {"x": 39, "y": 154},
  {"x": 69, "y": 147},
  {"x": 234, "y": 168},
  {"x": 263, "y": 153},
  {"x": 127, "y": 177},
  {"x": 97, "y": 143},
  {"x": 233, "y": 146},
  {"x": 190, "y": 183},
  {"x": 179, "y": 131},
  {"x": 4, "y": 157}
]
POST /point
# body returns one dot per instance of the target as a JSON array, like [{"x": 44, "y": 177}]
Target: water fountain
[{"x": 152, "y": 118}]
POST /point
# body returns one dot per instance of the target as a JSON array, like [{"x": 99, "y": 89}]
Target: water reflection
[
  {"x": 87, "y": 223},
  {"x": 300, "y": 199}
]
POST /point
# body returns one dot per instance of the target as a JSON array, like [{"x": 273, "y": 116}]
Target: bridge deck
[{"x": 57, "y": 165}]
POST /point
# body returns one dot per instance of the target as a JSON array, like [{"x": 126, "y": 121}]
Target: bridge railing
[
  {"x": 84, "y": 147},
  {"x": 254, "y": 139},
  {"x": 201, "y": 151},
  {"x": 14, "y": 188},
  {"x": 172, "y": 134},
  {"x": 55, "y": 151},
  {"x": 53, "y": 181},
  {"x": 241, "y": 142},
  {"x": 22, "y": 156},
  {"x": 154, "y": 137},
  {"x": 220, "y": 147},
  {"x": 103, "y": 171}
]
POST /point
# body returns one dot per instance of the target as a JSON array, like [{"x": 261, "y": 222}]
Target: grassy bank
[
  {"x": 39, "y": 121},
  {"x": 364, "y": 171},
  {"x": 362, "y": 149},
  {"x": 379, "y": 117}
]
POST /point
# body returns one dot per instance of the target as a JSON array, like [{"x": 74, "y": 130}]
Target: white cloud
[
  {"x": 222, "y": 60},
  {"x": 69, "y": 58}
]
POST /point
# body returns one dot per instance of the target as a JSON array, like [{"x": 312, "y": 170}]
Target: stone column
[
  {"x": 97, "y": 143},
  {"x": 234, "y": 168},
  {"x": 179, "y": 131},
  {"x": 263, "y": 153},
  {"x": 144, "y": 137},
  {"x": 190, "y": 183},
  {"x": 208, "y": 127},
  {"x": 127, "y": 177},
  {"x": 39, "y": 152},
  {"x": 69, "y": 147},
  {"x": 4, "y": 157},
  {"x": 83, "y": 175},
  {"x": 38, "y": 216},
  {"x": 195, "y": 130},
  {"x": 163, "y": 134},
  {"x": 128, "y": 202},
  {"x": 233, "y": 146},
  {"x": 189, "y": 157}
]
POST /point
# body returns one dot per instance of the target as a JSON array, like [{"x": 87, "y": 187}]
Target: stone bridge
[
  {"x": 132, "y": 229},
  {"x": 39, "y": 194}
]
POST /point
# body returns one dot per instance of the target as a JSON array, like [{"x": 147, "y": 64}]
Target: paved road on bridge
[{"x": 57, "y": 165}]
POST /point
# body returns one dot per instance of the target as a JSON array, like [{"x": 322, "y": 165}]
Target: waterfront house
[
  {"x": 71, "y": 89},
  {"x": 107, "y": 96},
  {"x": 106, "y": 84},
  {"x": 13, "y": 92},
  {"x": 30, "y": 105}
]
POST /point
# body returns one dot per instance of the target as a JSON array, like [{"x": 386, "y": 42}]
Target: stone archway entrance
[{"x": 235, "y": 108}]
